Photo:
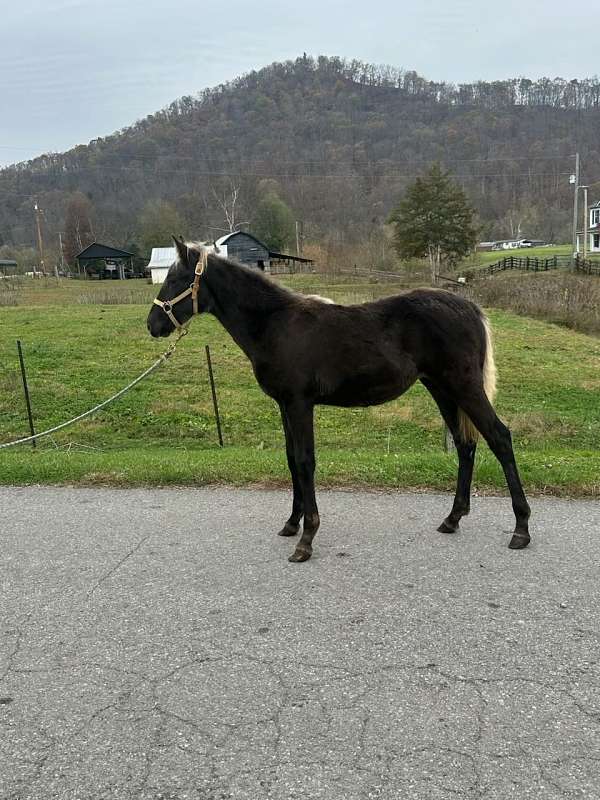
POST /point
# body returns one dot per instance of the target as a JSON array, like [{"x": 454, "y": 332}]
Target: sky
[{"x": 73, "y": 70}]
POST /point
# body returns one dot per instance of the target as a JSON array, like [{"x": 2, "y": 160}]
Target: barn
[
  {"x": 245, "y": 248},
  {"x": 239, "y": 246},
  {"x": 7, "y": 267},
  {"x": 105, "y": 262},
  {"x": 161, "y": 259}
]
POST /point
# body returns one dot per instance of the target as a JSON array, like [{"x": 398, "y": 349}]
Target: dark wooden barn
[
  {"x": 249, "y": 250},
  {"x": 7, "y": 267},
  {"x": 245, "y": 248}
]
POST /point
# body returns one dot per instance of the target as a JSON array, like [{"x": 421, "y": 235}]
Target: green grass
[{"x": 163, "y": 432}]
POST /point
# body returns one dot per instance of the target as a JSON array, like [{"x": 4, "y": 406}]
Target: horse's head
[{"x": 182, "y": 294}]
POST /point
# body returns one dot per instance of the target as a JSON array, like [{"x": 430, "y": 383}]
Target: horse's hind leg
[
  {"x": 292, "y": 526},
  {"x": 466, "y": 459},
  {"x": 481, "y": 413}
]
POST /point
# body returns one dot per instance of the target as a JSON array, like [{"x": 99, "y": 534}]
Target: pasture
[
  {"x": 483, "y": 258},
  {"x": 83, "y": 341}
]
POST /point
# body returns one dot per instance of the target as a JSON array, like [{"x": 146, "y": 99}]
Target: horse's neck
[{"x": 242, "y": 303}]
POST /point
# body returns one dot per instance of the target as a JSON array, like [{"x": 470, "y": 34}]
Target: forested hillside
[{"x": 337, "y": 141}]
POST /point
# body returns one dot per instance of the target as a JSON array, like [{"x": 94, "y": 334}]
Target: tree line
[{"x": 333, "y": 143}]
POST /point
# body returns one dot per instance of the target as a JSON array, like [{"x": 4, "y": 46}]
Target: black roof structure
[
  {"x": 97, "y": 250},
  {"x": 225, "y": 239},
  {"x": 288, "y": 257}
]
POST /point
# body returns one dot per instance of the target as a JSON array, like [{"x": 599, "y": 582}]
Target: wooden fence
[{"x": 535, "y": 265}]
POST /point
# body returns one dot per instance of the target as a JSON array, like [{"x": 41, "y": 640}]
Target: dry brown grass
[
  {"x": 536, "y": 425},
  {"x": 19, "y": 291},
  {"x": 568, "y": 299}
]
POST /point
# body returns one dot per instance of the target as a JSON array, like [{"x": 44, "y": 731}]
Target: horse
[{"x": 305, "y": 352}]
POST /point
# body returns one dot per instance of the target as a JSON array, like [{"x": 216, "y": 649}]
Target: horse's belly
[{"x": 367, "y": 390}]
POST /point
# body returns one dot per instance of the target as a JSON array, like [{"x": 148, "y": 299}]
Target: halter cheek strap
[{"x": 167, "y": 305}]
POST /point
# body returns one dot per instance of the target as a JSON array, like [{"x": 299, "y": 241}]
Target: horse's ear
[
  {"x": 216, "y": 247},
  {"x": 182, "y": 250}
]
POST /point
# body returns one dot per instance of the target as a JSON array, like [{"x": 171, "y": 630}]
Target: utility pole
[
  {"x": 585, "y": 221},
  {"x": 36, "y": 208},
  {"x": 61, "y": 253},
  {"x": 575, "y": 180},
  {"x": 299, "y": 237}
]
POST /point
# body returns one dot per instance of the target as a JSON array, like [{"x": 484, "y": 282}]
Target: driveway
[{"x": 158, "y": 644}]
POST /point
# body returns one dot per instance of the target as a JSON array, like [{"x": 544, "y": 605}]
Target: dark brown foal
[{"x": 306, "y": 352}]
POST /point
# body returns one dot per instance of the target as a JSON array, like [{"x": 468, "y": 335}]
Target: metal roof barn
[{"x": 161, "y": 259}]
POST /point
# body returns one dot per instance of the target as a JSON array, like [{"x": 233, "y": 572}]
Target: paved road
[{"x": 157, "y": 644}]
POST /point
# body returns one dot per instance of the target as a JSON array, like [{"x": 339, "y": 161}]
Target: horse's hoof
[
  {"x": 289, "y": 530},
  {"x": 300, "y": 555},
  {"x": 447, "y": 527},
  {"x": 519, "y": 541}
]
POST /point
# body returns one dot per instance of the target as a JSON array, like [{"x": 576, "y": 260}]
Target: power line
[
  {"x": 141, "y": 157},
  {"x": 285, "y": 174}
]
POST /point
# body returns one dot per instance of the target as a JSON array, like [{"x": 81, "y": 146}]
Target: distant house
[
  {"x": 509, "y": 244},
  {"x": 238, "y": 246},
  {"x": 593, "y": 243}
]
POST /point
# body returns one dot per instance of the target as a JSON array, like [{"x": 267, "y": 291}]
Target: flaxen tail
[{"x": 468, "y": 431}]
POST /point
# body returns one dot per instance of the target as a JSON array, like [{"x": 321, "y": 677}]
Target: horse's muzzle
[{"x": 158, "y": 327}]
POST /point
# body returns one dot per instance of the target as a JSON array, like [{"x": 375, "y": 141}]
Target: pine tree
[
  {"x": 273, "y": 222},
  {"x": 434, "y": 220}
]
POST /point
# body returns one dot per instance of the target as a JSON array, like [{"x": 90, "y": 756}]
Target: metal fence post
[
  {"x": 26, "y": 390},
  {"x": 214, "y": 394}
]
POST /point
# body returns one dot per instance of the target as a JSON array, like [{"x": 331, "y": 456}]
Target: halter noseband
[{"x": 167, "y": 305}]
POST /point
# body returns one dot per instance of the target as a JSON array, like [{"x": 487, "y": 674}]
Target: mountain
[{"x": 338, "y": 141}]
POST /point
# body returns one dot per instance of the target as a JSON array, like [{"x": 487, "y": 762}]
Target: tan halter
[{"x": 167, "y": 305}]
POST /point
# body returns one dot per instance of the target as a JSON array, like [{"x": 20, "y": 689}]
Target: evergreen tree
[
  {"x": 158, "y": 222},
  {"x": 434, "y": 220},
  {"x": 274, "y": 223}
]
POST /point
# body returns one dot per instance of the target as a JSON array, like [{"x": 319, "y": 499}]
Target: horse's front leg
[
  {"x": 292, "y": 526},
  {"x": 300, "y": 423}
]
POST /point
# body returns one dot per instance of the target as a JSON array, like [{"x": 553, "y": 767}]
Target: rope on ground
[{"x": 164, "y": 357}]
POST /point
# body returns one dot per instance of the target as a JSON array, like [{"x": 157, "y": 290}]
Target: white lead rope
[{"x": 165, "y": 356}]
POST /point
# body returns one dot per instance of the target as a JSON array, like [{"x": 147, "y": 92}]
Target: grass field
[
  {"x": 484, "y": 258},
  {"x": 83, "y": 343}
]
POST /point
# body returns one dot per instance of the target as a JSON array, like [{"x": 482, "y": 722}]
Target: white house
[{"x": 593, "y": 243}]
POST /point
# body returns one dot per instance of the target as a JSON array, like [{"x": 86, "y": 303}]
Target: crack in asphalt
[{"x": 117, "y": 566}]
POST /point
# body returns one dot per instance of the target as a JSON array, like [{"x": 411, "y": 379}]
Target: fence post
[
  {"x": 214, "y": 395},
  {"x": 448, "y": 440},
  {"x": 26, "y": 390}
]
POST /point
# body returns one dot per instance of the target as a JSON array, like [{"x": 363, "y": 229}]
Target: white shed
[{"x": 160, "y": 261}]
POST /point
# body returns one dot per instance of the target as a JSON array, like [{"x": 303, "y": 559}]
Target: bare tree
[
  {"x": 227, "y": 199},
  {"x": 79, "y": 230}
]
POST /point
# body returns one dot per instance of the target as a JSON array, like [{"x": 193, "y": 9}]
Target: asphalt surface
[{"x": 158, "y": 644}]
